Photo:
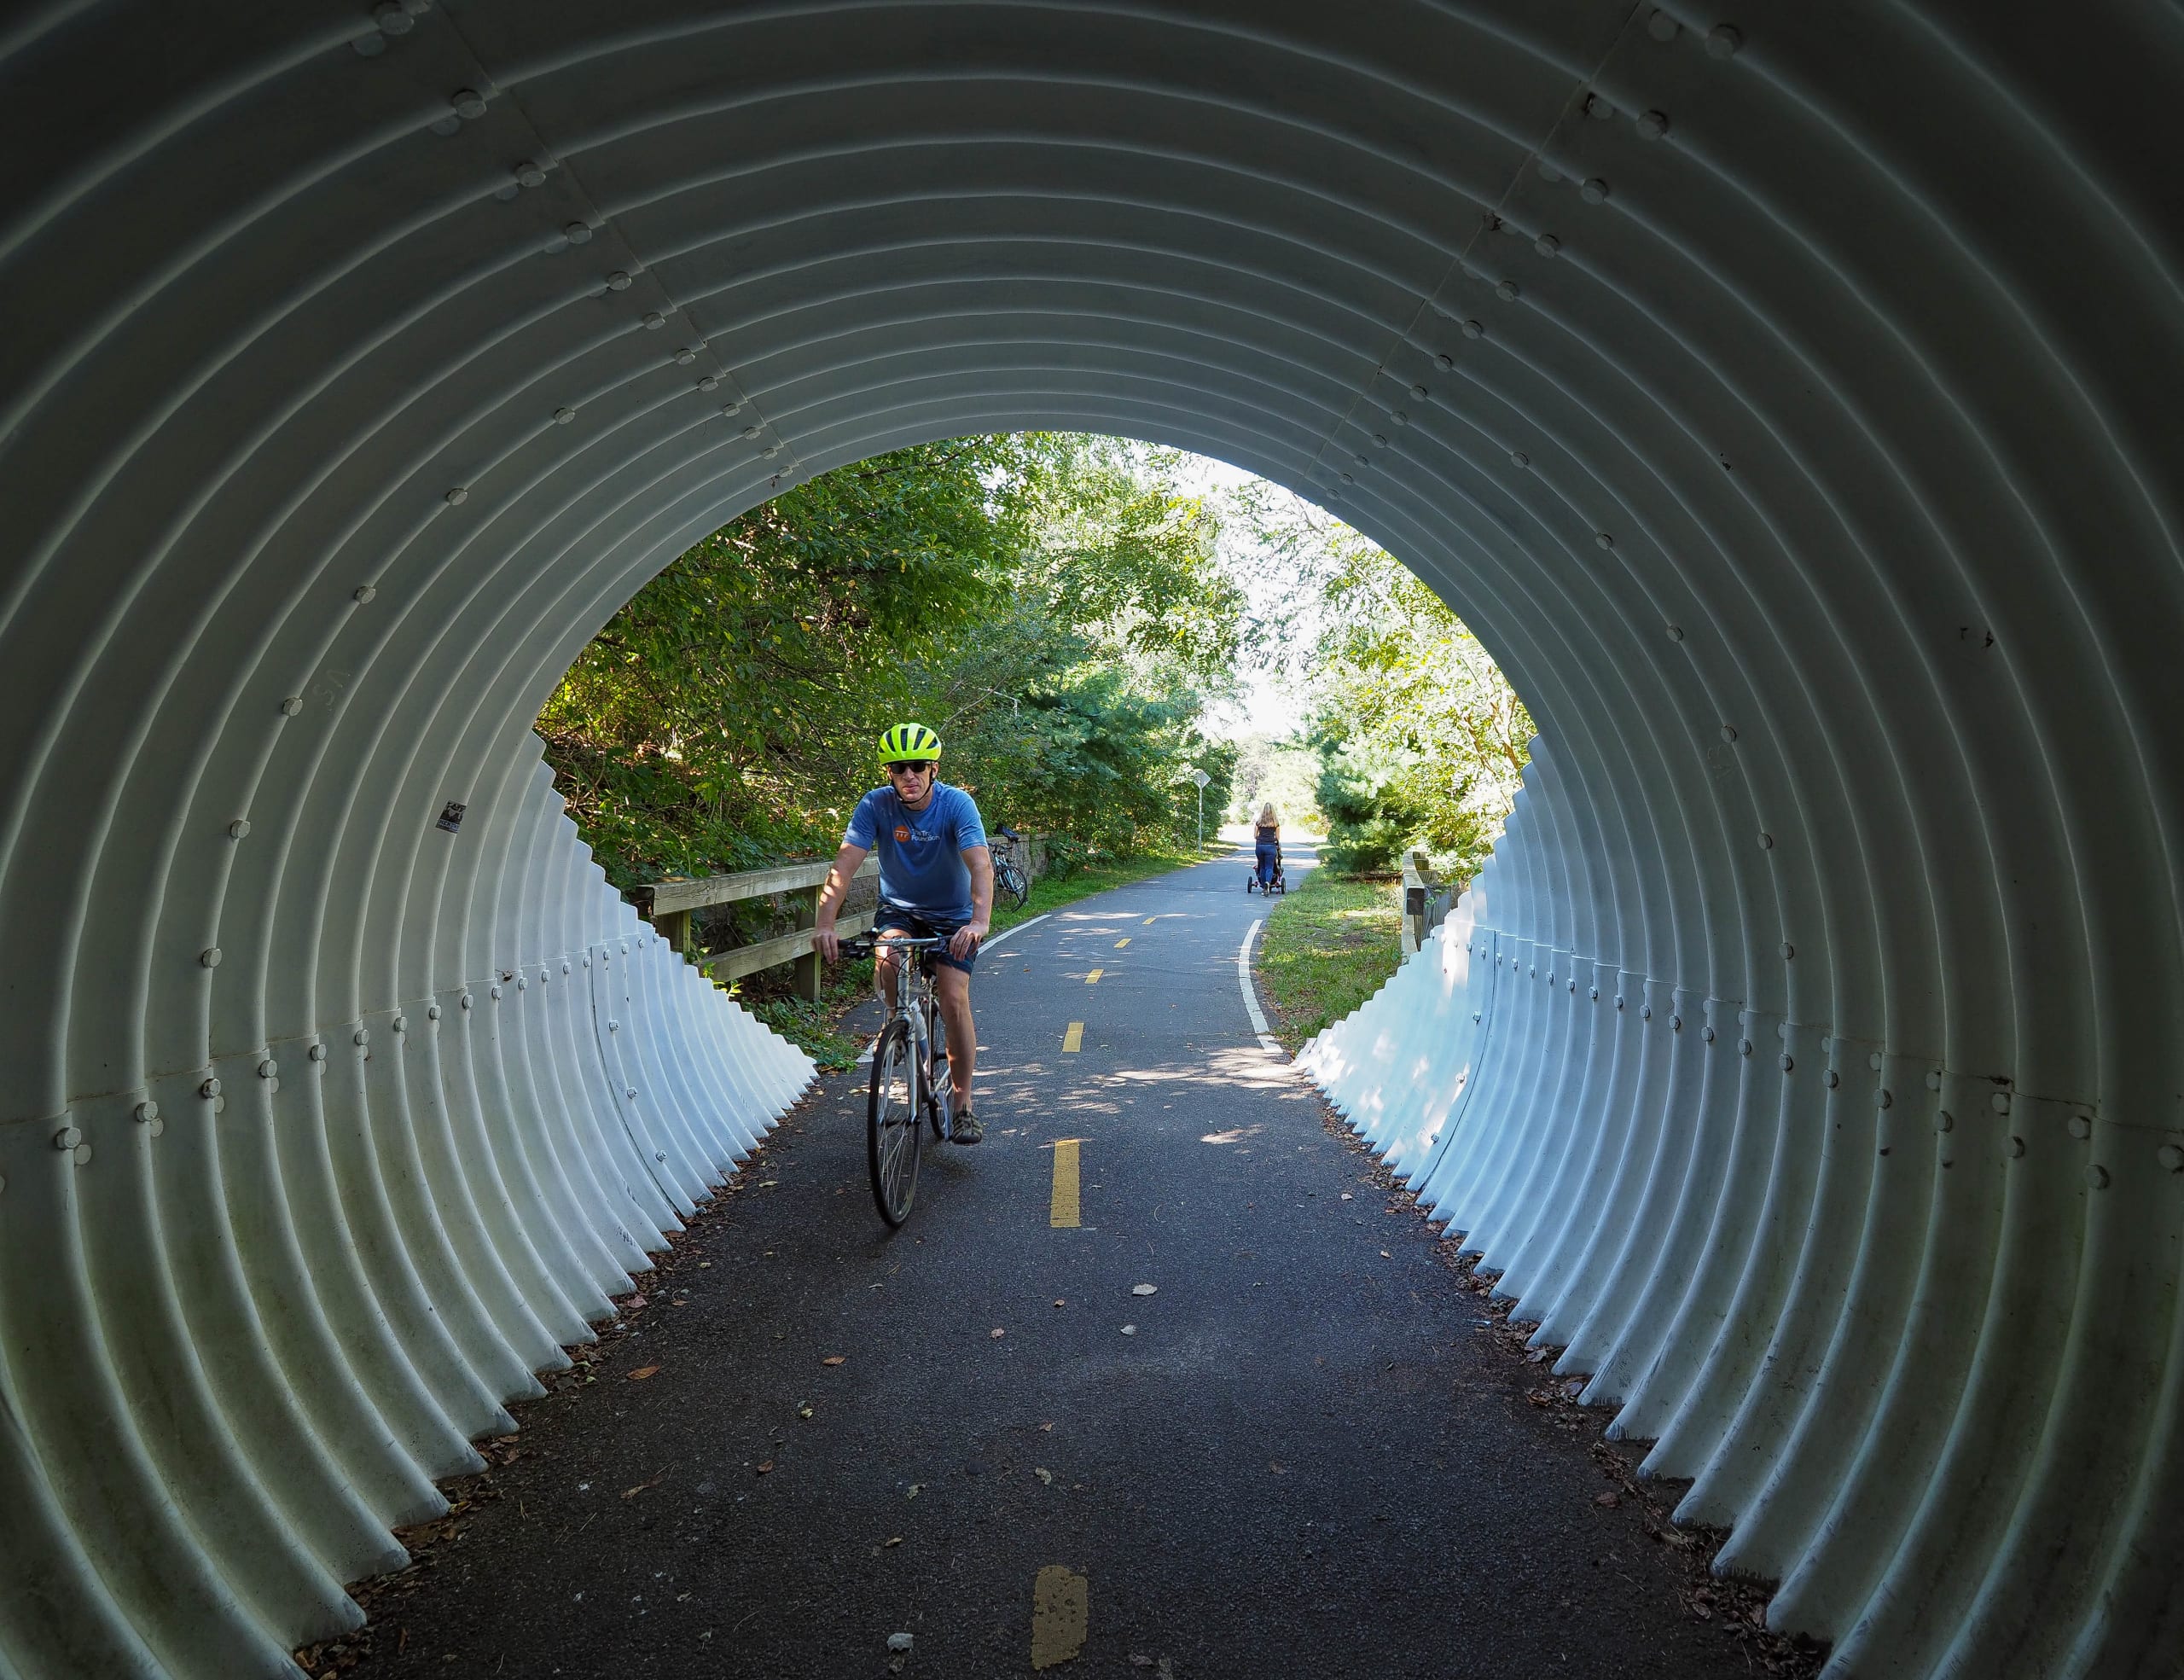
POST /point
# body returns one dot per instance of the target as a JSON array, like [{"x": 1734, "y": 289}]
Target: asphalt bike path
[{"x": 1296, "y": 1455}]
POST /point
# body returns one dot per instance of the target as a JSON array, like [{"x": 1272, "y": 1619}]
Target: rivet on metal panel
[
  {"x": 1446, "y": 362},
  {"x": 209, "y": 1090},
  {"x": 1707, "y": 1033},
  {"x": 1475, "y": 1015},
  {"x": 209, "y": 956},
  {"x": 613, "y": 1026},
  {"x": 318, "y": 1052},
  {"x": 1653, "y": 125},
  {"x": 81, "y": 1154},
  {"x": 494, "y": 992},
  {"x": 467, "y": 103},
  {"x": 544, "y": 975},
  {"x": 653, "y": 320},
  {"x": 1943, "y": 1120},
  {"x": 522, "y": 984},
  {"x": 685, "y": 355},
  {"x": 1675, "y": 632},
  {"x": 1743, "y": 1047},
  {"x": 1593, "y": 992},
  {"x": 463, "y": 1002},
  {"x": 1661, "y": 27},
  {"x": 362, "y": 1035},
  {"x": 293, "y": 706},
  {"x": 146, "y": 1112},
  {"x": 1603, "y": 539},
  {"x": 1933, "y": 1079},
  {"x": 269, "y": 1069},
  {"x": 1532, "y": 972},
  {"x": 1728, "y": 732},
  {"x": 2096, "y": 1177},
  {"x": 1364, "y": 460},
  {"x": 1594, "y": 191},
  {"x": 1789, "y": 950},
  {"x": 1573, "y": 988},
  {"x": 1767, "y": 842},
  {"x": 432, "y": 1012},
  {"x": 1419, "y": 393},
  {"x": 1676, "y": 1023},
  {"x": 660, "y": 1156},
  {"x": 364, "y": 595},
  {"x": 1834, "y": 1079},
  {"x": 617, "y": 281},
  {"x": 562, "y": 416},
  {"x": 391, "y": 19},
  {"x": 1789, "y": 1064},
  {"x": 1597, "y": 108},
  {"x": 1872, "y": 1062},
  {"x": 1547, "y": 244},
  {"x": 457, "y": 497},
  {"x": 771, "y": 451},
  {"x": 732, "y": 408},
  {"x": 402, "y": 1023},
  {"x": 1884, "y": 1098},
  {"x": 1399, "y": 418},
  {"x": 1379, "y": 440},
  {"x": 1647, "y": 1013},
  {"x": 1724, "y": 40},
  {"x": 1474, "y": 329},
  {"x": 565, "y": 965},
  {"x": 1349, "y": 478},
  {"x": 1508, "y": 291},
  {"x": 1518, "y": 458},
  {"x": 2016, "y": 1149},
  {"x": 587, "y": 959},
  {"x": 369, "y": 46},
  {"x": 529, "y": 174},
  {"x": 576, "y": 234},
  {"x": 2080, "y": 1126},
  {"x": 1999, "y": 1101},
  {"x": 748, "y": 431},
  {"x": 2170, "y": 1156},
  {"x": 631, "y": 1091},
  {"x": 67, "y": 1138},
  {"x": 238, "y": 827},
  {"x": 709, "y": 382}
]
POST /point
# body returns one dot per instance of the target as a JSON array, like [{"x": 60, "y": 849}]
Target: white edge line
[
  {"x": 1018, "y": 929},
  {"x": 1250, "y": 998}
]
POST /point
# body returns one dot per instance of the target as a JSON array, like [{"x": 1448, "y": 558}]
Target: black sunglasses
[{"x": 897, "y": 767}]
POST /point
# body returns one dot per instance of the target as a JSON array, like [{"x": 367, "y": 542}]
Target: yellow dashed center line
[
  {"x": 1061, "y": 1207},
  {"x": 1150, "y": 920},
  {"x": 1120, "y": 943},
  {"x": 1062, "y": 1606},
  {"x": 1073, "y": 1040},
  {"x": 1093, "y": 978}
]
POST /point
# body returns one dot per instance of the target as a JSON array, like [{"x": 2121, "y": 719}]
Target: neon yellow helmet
[{"x": 908, "y": 741}]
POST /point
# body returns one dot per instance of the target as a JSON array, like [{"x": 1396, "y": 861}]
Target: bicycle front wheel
[
  {"x": 891, "y": 1129},
  {"x": 939, "y": 1085}
]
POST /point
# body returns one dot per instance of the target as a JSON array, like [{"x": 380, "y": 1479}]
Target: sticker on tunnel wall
[{"x": 451, "y": 815}]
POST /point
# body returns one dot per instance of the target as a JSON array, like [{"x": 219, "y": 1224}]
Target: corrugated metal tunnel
[{"x": 1786, "y": 395}]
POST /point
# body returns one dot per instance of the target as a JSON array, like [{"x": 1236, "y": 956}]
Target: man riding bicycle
[{"x": 936, "y": 881}]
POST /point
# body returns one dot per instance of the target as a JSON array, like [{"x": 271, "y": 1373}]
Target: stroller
[{"x": 1266, "y": 875}]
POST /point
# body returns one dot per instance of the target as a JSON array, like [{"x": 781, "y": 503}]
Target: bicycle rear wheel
[
  {"x": 892, "y": 1132},
  {"x": 1013, "y": 882},
  {"x": 939, "y": 1089}
]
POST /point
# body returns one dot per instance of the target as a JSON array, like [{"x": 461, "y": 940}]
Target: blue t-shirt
[{"x": 921, "y": 865}]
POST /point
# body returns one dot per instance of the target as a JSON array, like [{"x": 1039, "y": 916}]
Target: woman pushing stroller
[{"x": 1266, "y": 875}]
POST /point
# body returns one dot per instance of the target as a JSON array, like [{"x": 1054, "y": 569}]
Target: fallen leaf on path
[
  {"x": 894, "y": 1540},
  {"x": 998, "y": 1334},
  {"x": 1146, "y": 1289},
  {"x": 767, "y": 1183},
  {"x": 803, "y": 1411},
  {"x": 1386, "y": 1255},
  {"x": 766, "y": 1467},
  {"x": 1048, "y": 1426},
  {"x": 1609, "y": 1500},
  {"x": 916, "y": 1488},
  {"x": 834, "y": 1358},
  {"x": 1062, "y": 1302},
  {"x": 1130, "y": 1330},
  {"x": 1045, "y": 1476},
  {"x": 1346, "y": 1195},
  {"x": 642, "y": 1372},
  {"x": 636, "y": 1303},
  {"x": 632, "y": 1492},
  {"x": 1278, "y": 1469}
]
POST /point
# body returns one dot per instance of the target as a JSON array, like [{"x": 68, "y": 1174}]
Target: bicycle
[
  {"x": 911, "y": 1081},
  {"x": 1008, "y": 872}
]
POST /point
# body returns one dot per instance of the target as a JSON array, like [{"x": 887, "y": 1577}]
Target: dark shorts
[{"x": 893, "y": 918}]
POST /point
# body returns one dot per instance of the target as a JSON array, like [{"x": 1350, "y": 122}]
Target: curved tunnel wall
[{"x": 1787, "y": 395}]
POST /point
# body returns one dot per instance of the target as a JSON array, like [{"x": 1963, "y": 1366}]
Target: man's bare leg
[{"x": 952, "y": 987}]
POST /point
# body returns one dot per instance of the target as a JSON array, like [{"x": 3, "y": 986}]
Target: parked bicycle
[
  {"x": 912, "y": 1086},
  {"x": 1010, "y": 873}
]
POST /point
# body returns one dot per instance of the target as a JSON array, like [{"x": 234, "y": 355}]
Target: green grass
[
  {"x": 815, "y": 1028},
  {"x": 1330, "y": 942}
]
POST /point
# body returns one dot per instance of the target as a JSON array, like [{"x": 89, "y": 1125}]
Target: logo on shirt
[{"x": 902, "y": 835}]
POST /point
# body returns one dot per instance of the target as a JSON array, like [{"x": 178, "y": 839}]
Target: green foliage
[
  {"x": 1421, "y": 741},
  {"x": 1052, "y": 606},
  {"x": 1330, "y": 943}
]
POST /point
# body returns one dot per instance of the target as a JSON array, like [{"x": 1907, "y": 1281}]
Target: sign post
[{"x": 1201, "y": 778}]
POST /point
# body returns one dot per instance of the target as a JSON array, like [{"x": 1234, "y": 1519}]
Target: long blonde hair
[{"x": 1266, "y": 819}]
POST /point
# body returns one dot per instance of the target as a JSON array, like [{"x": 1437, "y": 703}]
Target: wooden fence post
[{"x": 810, "y": 967}]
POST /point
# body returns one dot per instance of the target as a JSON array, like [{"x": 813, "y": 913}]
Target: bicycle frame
[{"x": 926, "y": 1091}]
